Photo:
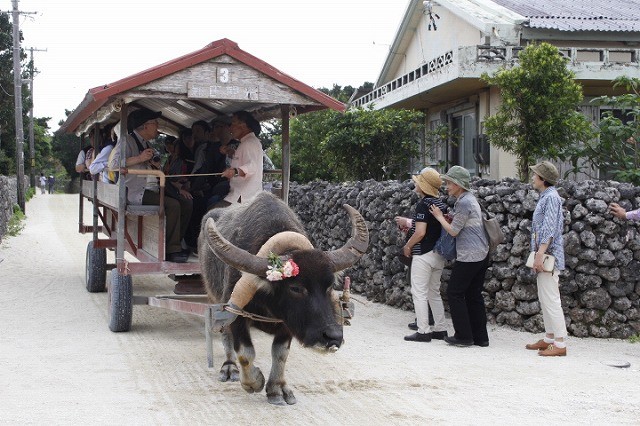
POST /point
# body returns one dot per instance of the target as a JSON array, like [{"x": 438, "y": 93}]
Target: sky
[{"x": 90, "y": 43}]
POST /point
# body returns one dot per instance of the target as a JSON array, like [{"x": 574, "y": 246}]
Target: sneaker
[
  {"x": 439, "y": 335},
  {"x": 413, "y": 326},
  {"x": 482, "y": 344},
  {"x": 553, "y": 350},
  {"x": 540, "y": 345},
  {"x": 418, "y": 337}
]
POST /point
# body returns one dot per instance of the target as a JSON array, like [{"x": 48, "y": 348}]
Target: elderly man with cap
[
  {"x": 245, "y": 173},
  {"x": 143, "y": 127},
  {"x": 464, "y": 292},
  {"x": 426, "y": 264},
  {"x": 547, "y": 227}
]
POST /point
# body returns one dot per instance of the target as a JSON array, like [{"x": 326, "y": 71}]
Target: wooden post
[
  {"x": 122, "y": 191},
  {"x": 17, "y": 96},
  {"x": 286, "y": 152}
]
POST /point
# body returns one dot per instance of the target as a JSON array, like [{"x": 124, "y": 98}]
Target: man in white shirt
[{"x": 245, "y": 173}]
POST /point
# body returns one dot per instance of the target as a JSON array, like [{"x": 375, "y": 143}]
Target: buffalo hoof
[
  {"x": 281, "y": 396},
  {"x": 255, "y": 383},
  {"x": 229, "y": 372}
]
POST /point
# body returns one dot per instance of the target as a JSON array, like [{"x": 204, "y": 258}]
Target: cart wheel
[
  {"x": 96, "y": 269},
  {"x": 120, "y": 302}
]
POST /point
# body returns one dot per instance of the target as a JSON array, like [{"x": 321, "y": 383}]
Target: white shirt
[
  {"x": 81, "y": 157},
  {"x": 100, "y": 163},
  {"x": 248, "y": 158}
]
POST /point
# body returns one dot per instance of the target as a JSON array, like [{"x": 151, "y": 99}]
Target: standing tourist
[
  {"x": 426, "y": 264},
  {"x": 51, "y": 182},
  {"x": 43, "y": 183},
  {"x": 464, "y": 292},
  {"x": 546, "y": 238}
]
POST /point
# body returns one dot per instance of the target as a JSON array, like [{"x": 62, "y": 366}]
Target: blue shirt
[{"x": 548, "y": 225}]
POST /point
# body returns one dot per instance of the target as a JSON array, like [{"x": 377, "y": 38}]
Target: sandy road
[{"x": 60, "y": 364}]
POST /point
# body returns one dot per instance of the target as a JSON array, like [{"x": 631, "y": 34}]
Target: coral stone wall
[
  {"x": 8, "y": 198},
  {"x": 600, "y": 287}
]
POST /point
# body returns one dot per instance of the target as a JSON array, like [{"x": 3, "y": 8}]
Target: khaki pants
[
  {"x": 549, "y": 296},
  {"x": 177, "y": 214},
  {"x": 426, "y": 271}
]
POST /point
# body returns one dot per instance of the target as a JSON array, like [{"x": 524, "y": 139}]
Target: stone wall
[
  {"x": 8, "y": 198},
  {"x": 600, "y": 287}
]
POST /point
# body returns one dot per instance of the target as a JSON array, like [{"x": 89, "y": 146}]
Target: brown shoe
[
  {"x": 553, "y": 350},
  {"x": 540, "y": 345}
]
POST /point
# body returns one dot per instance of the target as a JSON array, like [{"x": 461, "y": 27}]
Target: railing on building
[
  {"x": 499, "y": 54},
  {"x": 424, "y": 69}
]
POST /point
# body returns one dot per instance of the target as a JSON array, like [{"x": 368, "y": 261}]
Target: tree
[
  {"x": 539, "y": 116},
  {"x": 617, "y": 150},
  {"x": 7, "y": 104},
  {"x": 65, "y": 148},
  {"x": 373, "y": 144}
]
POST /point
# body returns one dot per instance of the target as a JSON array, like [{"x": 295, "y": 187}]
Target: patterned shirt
[
  {"x": 472, "y": 244},
  {"x": 548, "y": 225}
]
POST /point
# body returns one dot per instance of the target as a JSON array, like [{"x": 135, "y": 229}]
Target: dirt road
[{"x": 60, "y": 364}]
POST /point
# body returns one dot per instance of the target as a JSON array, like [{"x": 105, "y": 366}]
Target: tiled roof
[{"x": 578, "y": 15}]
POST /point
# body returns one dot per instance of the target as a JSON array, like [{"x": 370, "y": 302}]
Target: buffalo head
[{"x": 306, "y": 302}]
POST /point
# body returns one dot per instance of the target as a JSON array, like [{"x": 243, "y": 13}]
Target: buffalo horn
[
  {"x": 234, "y": 256},
  {"x": 348, "y": 254}
]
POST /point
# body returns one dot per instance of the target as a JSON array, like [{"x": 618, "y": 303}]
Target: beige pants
[
  {"x": 549, "y": 296},
  {"x": 426, "y": 271}
]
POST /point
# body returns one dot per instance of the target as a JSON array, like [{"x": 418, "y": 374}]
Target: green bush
[{"x": 16, "y": 222}]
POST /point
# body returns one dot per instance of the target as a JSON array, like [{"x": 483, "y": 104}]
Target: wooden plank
[
  {"x": 144, "y": 231},
  {"x": 222, "y": 78},
  {"x": 108, "y": 194}
]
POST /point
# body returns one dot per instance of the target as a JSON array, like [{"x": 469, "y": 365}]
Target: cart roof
[{"x": 218, "y": 79}]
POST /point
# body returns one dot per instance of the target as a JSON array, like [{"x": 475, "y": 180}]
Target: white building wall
[{"x": 425, "y": 45}]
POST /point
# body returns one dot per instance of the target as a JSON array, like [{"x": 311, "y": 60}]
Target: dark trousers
[
  {"x": 466, "y": 304},
  {"x": 177, "y": 213},
  {"x": 193, "y": 228}
]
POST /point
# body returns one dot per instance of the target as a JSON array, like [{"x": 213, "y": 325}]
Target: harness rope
[{"x": 250, "y": 315}]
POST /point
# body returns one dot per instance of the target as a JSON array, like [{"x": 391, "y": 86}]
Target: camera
[{"x": 156, "y": 156}]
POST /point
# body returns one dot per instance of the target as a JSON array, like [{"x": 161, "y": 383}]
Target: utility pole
[
  {"x": 17, "y": 94},
  {"x": 32, "y": 149}
]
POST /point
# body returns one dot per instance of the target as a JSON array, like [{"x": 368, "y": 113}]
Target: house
[{"x": 442, "y": 47}]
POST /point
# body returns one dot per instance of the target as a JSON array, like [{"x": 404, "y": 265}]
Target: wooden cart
[{"x": 217, "y": 80}]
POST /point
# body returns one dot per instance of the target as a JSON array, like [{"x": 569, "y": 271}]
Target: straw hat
[{"x": 428, "y": 181}]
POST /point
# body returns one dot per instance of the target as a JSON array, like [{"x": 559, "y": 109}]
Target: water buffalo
[{"x": 238, "y": 238}]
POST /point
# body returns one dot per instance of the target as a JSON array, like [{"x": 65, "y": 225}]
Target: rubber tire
[
  {"x": 120, "y": 302},
  {"x": 96, "y": 269}
]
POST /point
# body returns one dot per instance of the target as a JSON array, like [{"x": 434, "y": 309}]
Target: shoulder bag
[
  {"x": 446, "y": 244},
  {"x": 492, "y": 229}
]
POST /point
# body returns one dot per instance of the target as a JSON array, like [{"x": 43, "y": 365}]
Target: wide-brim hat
[
  {"x": 428, "y": 181},
  {"x": 140, "y": 116},
  {"x": 458, "y": 175},
  {"x": 547, "y": 171}
]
